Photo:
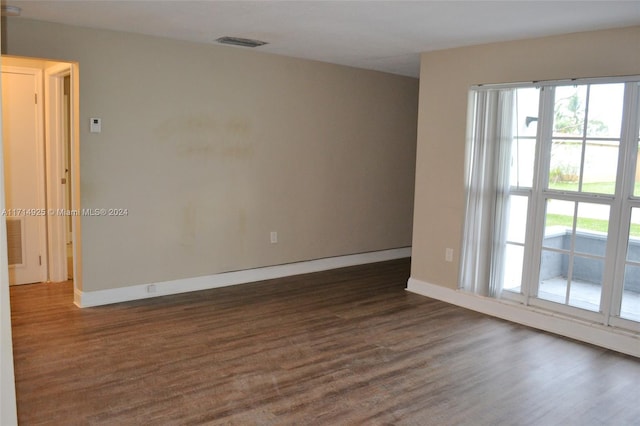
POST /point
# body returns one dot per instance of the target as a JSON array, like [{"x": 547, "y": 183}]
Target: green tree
[{"x": 569, "y": 117}]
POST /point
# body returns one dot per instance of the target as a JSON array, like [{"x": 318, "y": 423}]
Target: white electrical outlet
[
  {"x": 274, "y": 237},
  {"x": 151, "y": 288},
  {"x": 448, "y": 255}
]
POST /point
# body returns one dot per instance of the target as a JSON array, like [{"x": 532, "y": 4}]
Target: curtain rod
[{"x": 563, "y": 82}]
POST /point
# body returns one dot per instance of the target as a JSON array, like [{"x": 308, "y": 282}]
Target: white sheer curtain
[{"x": 489, "y": 139}]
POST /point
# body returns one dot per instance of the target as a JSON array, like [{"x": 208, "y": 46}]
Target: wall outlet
[
  {"x": 274, "y": 237},
  {"x": 448, "y": 255},
  {"x": 151, "y": 288}
]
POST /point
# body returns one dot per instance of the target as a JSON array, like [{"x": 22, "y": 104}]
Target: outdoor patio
[{"x": 586, "y": 295}]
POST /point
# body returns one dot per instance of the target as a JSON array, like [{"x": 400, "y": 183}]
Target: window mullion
[
  {"x": 583, "y": 153},
  {"x": 533, "y": 241},
  {"x": 621, "y": 214}
]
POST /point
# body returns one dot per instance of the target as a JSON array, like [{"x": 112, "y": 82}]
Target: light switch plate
[{"x": 96, "y": 125}]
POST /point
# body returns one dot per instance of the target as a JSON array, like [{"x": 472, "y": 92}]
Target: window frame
[{"x": 620, "y": 203}]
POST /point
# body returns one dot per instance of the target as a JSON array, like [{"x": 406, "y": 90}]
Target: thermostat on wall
[{"x": 96, "y": 125}]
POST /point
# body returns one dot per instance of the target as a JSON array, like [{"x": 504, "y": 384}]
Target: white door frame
[
  {"x": 8, "y": 409},
  {"x": 40, "y": 159},
  {"x": 74, "y": 172},
  {"x": 55, "y": 150}
]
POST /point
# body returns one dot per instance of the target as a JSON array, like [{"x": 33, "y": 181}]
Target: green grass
[
  {"x": 597, "y": 188},
  {"x": 593, "y": 187},
  {"x": 598, "y": 225}
]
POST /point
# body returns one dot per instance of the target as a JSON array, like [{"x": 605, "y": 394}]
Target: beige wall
[
  {"x": 445, "y": 79},
  {"x": 210, "y": 148}
]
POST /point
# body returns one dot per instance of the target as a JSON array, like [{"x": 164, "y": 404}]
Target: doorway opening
[{"x": 40, "y": 106}]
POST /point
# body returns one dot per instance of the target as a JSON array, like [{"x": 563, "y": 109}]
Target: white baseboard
[
  {"x": 85, "y": 299},
  {"x": 596, "y": 334}
]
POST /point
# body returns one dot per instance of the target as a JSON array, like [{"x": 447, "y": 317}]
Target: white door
[{"x": 24, "y": 175}]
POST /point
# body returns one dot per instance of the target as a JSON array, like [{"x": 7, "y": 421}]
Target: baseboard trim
[
  {"x": 85, "y": 299},
  {"x": 596, "y": 334}
]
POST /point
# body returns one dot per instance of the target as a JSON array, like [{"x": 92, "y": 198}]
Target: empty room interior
[{"x": 230, "y": 212}]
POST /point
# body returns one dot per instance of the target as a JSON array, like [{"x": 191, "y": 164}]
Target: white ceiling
[{"x": 380, "y": 35}]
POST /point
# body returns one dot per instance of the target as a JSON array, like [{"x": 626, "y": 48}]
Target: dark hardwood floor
[{"x": 342, "y": 347}]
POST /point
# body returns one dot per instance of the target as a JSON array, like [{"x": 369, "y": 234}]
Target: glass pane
[
  {"x": 605, "y": 110},
  {"x": 600, "y": 167},
  {"x": 523, "y": 151},
  {"x": 592, "y": 226},
  {"x": 586, "y": 283},
  {"x": 630, "y": 308},
  {"x": 633, "y": 248},
  {"x": 564, "y": 167},
  {"x": 517, "y": 221},
  {"x": 553, "y": 276},
  {"x": 558, "y": 224},
  {"x": 636, "y": 188},
  {"x": 527, "y": 106},
  {"x": 569, "y": 110},
  {"x": 514, "y": 256},
  {"x": 525, "y": 129}
]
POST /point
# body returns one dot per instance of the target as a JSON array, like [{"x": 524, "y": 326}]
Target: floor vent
[{"x": 14, "y": 241}]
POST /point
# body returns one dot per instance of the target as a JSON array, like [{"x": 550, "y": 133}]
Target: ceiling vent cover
[
  {"x": 8, "y": 10},
  {"x": 237, "y": 41}
]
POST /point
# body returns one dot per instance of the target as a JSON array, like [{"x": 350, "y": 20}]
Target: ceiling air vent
[
  {"x": 11, "y": 10},
  {"x": 237, "y": 41}
]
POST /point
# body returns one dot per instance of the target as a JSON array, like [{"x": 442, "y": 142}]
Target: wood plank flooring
[{"x": 342, "y": 347}]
